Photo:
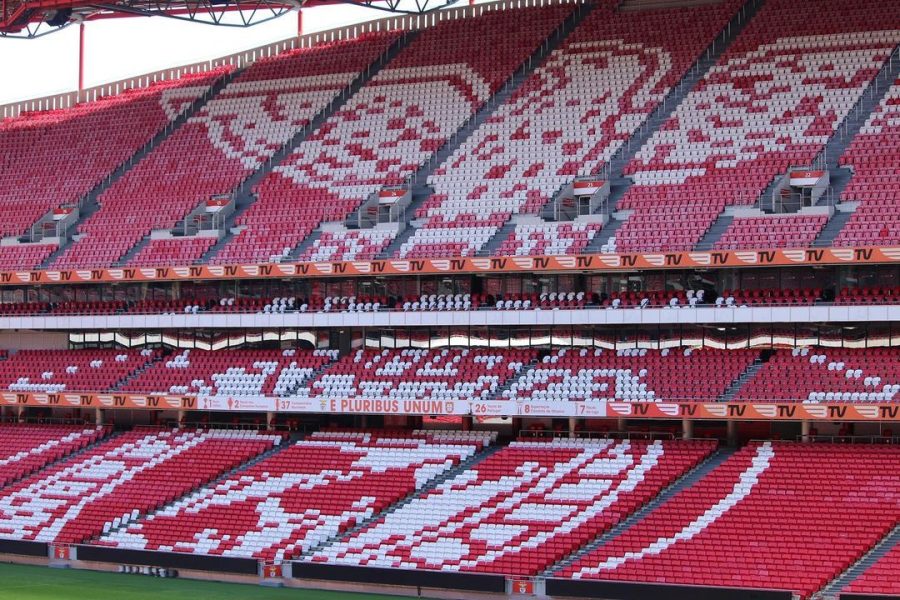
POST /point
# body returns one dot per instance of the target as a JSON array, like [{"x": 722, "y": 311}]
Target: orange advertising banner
[
  {"x": 598, "y": 263},
  {"x": 720, "y": 411}
]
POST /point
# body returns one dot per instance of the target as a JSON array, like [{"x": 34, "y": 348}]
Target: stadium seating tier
[
  {"x": 301, "y": 496},
  {"x": 773, "y": 516}
]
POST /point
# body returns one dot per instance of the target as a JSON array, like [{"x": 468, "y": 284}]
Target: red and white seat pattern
[
  {"x": 772, "y": 232},
  {"x": 25, "y": 256},
  {"x": 301, "y": 496},
  {"x": 25, "y": 449},
  {"x": 37, "y": 170},
  {"x": 169, "y": 252},
  {"x": 389, "y": 128},
  {"x": 881, "y": 578},
  {"x": 774, "y": 515},
  {"x": 229, "y": 138},
  {"x": 69, "y": 370},
  {"x": 521, "y": 509},
  {"x": 654, "y": 299},
  {"x": 873, "y": 155},
  {"x": 813, "y": 375},
  {"x": 768, "y": 297},
  {"x": 231, "y": 373},
  {"x": 630, "y": 375},
  {"x": 869, "y": 295},
  {"x": 441, "y": 375},
  {"x": 548, "y": 239},
  {"x": 772, "y": 102},
  {"x": 117, "y": 480},
  {"x": 603, "y": 83},
  {"x": 361, "y": 244}
]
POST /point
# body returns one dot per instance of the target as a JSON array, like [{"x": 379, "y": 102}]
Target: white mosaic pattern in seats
[
  {"x": 736, "y": 140},
  {"x": 248, "y": 117},
  {"x": 556, "y": 241},
  {"x": 33, "y": 511},
  {"x": 435, "y": 528},
  {"x": 582, "y": 384},
  {"x": 287, "y": 531},
  {"x": 348, "y": 245},
  {"x": 175, "y": 101},
  {"x": 389, "y": 377},
  {"x": 426, "y": 97},
  {"x": 586, "y": 86},
  {"x": 67, "y": 439},
  {"x": 876, "y": 388},
  {"x": 743, "y": 487},
  {"x": 576, "y": 90},
  {"x": 886, "y": 115}
]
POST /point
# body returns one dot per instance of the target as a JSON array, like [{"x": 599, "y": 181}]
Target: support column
[
  {"x": 80, "y": 58},
  {"x": 181, "y": 415},
  {"x": 270, "y": 421},
  {"x": 299, "y": 22},
  {"x": 573, "y": 422},
  {"x": 467, "y": 423},
  {"x": 731, "y": 433},
  {"x": 621, "y": 424},
  {"x": 687, "y": 429},
  {"x": 804, "y": 430},
  {"x": 98, "y": 416},
  {"x": 20, "y": 414}
]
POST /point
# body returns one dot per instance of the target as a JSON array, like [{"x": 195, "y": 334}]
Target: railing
[
  {"x": 386, "y": 309},
  {"x": 215, "y": 425},
  {"x": 14, "y": 420},
  {"x": 849, "y": 439},
  {"x": 873, "y": 89},
  {"x": 592, "y": 435},
  {"x": 525, "y": 399},
  {"x": 247, "y": 57}
]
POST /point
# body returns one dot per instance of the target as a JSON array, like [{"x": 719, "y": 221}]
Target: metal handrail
[
  {"x": 383, "y": 309},
  {"x": 590, "y": 435}
]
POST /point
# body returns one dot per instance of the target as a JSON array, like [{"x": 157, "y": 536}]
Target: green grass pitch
[{"x": 22, "y": 582}]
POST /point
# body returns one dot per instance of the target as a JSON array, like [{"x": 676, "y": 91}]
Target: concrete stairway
[
  {"x": 88, "y": 202},
  {"x": 833, "y": 227},
  {"x": 749, "y": 373},
  {"x": 137, "y": 372},
  {"x": 684, "y": 482},
  {"x": 497, "y": 395},
  {"x": 608, "y": 232},
  {"x": 133, "y": 251},
  {"x": 307, "y": 242},
  {"x": 397, "y": 242},
  {"x": 492, "y": 246},
  {"x": 833, "y": 589},
  {"x": 712, "y": 235}
]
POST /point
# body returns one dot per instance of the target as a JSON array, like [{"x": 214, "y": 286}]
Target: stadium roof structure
[{"x": 36, "y": 18}]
